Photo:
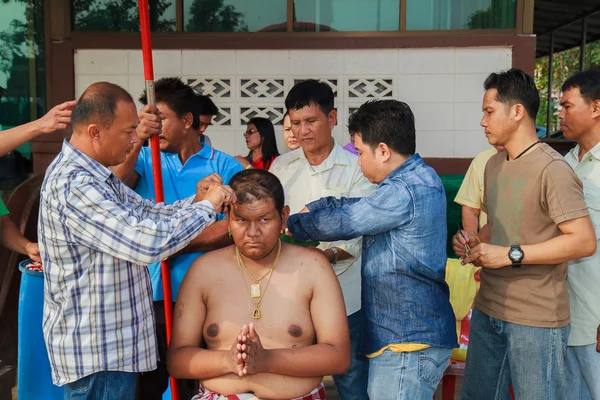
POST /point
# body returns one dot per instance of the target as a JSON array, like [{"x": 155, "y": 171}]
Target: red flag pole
[{"x": 157, "y": 170}]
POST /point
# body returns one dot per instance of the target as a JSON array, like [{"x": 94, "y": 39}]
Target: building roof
[{"x": 564, "y": 18}]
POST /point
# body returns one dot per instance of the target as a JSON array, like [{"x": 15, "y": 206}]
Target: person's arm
[
  {"x": 578, "y": 240},
  {"x": 213, "y": 237},
  {"x": 150, "y": 124},
  {"x": 386, "y": 209},
  {"x": 469, "y": 196},
  {"x": 470, "y": 219},
  {"x": 100, "y": 221},
  {"x": 562, "y": 196},
  {"x": 15, "y": 241},
  {"x": 55, "y": 119},
  {"x": 329, "y": 356},
  {"x": 242, "y": 160},
  {"x": 185, "y": 358}
]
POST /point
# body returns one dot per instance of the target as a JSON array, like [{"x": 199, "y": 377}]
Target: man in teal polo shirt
[{"x": 184, "y": 161}]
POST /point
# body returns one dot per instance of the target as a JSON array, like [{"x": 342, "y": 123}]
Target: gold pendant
[
  {"x": 256, "y": 313},
  {"x": 255, "y": 291}
]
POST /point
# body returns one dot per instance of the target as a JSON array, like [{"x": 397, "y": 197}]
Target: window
[
  {"x": 460, "y": 14},
  {"x": 235, "y": 15},
  {"x": 22, "y": 79},
  {"x": 346, "y": 15},
  {"x": 121, "y": 15}
]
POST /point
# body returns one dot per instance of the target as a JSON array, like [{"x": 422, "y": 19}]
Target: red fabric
[
  {"x": 317, "y": 394},
  {"x": 259, "y": 164}
]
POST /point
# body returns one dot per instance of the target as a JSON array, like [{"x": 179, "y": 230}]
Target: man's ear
[
  {"x": 285, "y": 213},
  {"x": 519, "y": 112},
  {"x": 595, "y": 108},
  {"x": 383, "y": 152},
  {"x": 188, "y": 120},
  {"x": 332, "y": 118},
  {"x": 93, "y": 131}
]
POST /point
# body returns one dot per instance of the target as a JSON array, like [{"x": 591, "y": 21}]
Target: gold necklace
[{"x": 254, "y": 290}]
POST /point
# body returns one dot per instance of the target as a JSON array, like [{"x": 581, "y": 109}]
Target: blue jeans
[
  {"x": 353, "y": 384},
  {"x": 501, "y": 353},
  {"x": 407, "y": 376},
  {"x": 583, "y": 372},
  {"x": 106, "y": 385}
]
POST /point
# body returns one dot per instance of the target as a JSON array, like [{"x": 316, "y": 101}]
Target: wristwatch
[
  {"x": 335, "y": 255},
  {"x": 515, "y": 254}
]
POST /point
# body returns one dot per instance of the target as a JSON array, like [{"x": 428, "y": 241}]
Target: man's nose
[{"x": 253, "y": 230}]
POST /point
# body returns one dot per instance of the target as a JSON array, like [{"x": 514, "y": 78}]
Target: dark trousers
[{"x": 151, "y": 385}]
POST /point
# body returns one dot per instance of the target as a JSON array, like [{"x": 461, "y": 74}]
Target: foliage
[
  {"x": 119, "y": 15},
  {"x": 500, "y": 14},
  {"x": 564, "y": 64},
  {"x": 214, "y": 16}
]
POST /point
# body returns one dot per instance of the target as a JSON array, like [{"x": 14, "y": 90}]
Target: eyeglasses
[{"x": 250, "y": 132}]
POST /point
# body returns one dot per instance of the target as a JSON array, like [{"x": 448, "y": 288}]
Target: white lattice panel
[
  {"x": 273, "y": 113},
  {"x": 213, "y": 87},
  {"x": 367, "y": 88},
  {"x": 257, "y": 88},
  {"x": 442, "y": 86}
]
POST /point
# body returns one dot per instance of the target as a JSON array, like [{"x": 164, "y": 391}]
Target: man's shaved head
[{"x": 97, "y": 105}]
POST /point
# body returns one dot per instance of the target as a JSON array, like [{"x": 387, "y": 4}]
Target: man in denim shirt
[{"x": 409, "y": 326}]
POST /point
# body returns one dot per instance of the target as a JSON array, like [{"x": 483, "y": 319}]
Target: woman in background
[
  {"x": 289, "y": 139},
  {"x": 260, "y": 139}
]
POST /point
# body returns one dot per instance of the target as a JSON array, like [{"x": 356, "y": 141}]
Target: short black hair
[
  {"x": 515, "y": 87},
  {"x": 588, "y": 83},
  {"x": 305, "y": 93},
  {"x": 206, "y": 105},
  {"x": 253, "y": 184},
  {"x": 178, "y": 96},
  {"x": 98, "y": 104},
  {"x": 385, "y": 121},
  {"x": 269, "y": 142}
]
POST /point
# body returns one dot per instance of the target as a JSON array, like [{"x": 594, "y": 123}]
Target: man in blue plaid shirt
[{"x": 97, "y": 237}]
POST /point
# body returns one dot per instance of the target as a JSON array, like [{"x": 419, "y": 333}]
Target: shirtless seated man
[{"x": 259, "y": 319}]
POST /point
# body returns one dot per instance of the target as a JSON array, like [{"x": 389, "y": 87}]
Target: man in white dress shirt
[
  {"x": 321, "y": 168},
  {"x": 580, "y": 122}
]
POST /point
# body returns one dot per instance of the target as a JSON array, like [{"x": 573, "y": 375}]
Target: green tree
[
  {"x": 21, "y": 55},
  {"x": 214, "y": 16},
  {"x": 119, "y": 15},
  {"x": 500, "y": 14}
]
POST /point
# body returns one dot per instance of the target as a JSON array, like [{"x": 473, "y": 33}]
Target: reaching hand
[
  {"x": 57, "y": 118},
  {"x": 463, "y": 242},
  {"x": 220, "y": 196},
  {"x": 33, "y": 251},
  {"x": 253, "y": 353},
  {"x": 150, "y": 122},
  {"x": 205, "y": 183},
  {"x": 488, "y": 256}
]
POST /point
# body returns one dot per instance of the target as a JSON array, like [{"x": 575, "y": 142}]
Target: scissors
[{"x": 467, "y": 247}]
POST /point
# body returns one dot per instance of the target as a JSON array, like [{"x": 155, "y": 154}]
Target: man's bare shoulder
[
  {"x": 213, "y": 262},
  {"x": 309, "y": 260}
]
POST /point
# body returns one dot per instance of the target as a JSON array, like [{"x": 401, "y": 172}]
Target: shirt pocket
[{"x": 591, "y": 193}]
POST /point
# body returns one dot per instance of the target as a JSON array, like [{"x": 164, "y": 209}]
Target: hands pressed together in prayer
[
  {"x": 247, "y": 354},
  {"x": 471, "y": 250}
]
